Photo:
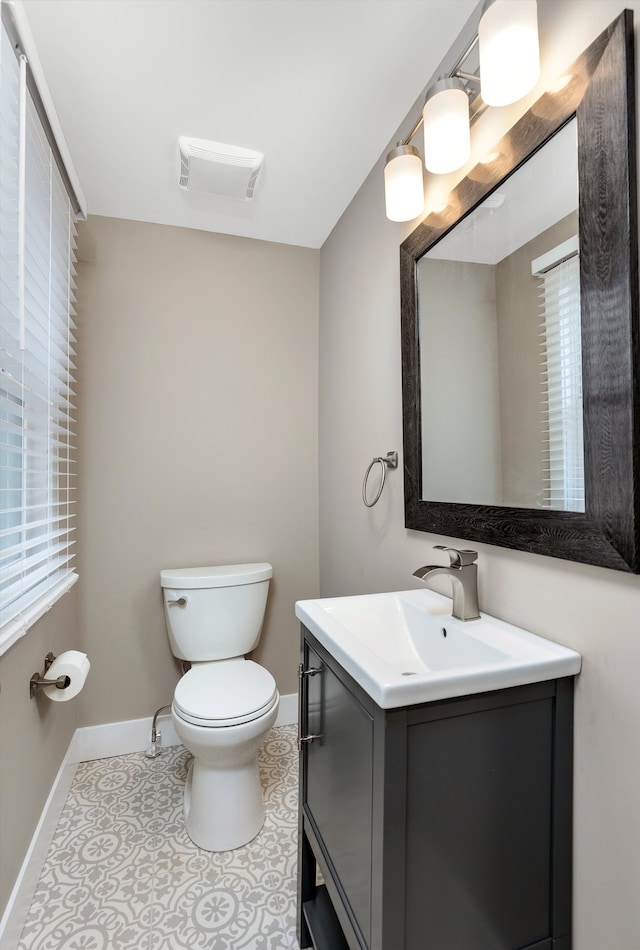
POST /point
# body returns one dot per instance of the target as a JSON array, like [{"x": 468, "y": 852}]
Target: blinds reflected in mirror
[{"x": 561, "y": 369}]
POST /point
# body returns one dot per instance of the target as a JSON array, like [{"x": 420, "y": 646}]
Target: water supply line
[{"x": 154, "y": 748}]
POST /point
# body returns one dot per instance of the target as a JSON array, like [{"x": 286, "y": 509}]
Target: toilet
[{"x": 224, "y": 706}]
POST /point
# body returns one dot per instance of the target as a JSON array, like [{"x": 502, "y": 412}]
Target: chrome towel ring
[{"x": 390, "y": 460}]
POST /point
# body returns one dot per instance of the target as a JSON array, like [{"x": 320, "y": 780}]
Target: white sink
[{"x": 405, "y": 647}]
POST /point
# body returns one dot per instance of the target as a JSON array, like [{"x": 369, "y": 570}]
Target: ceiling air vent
[{"x": 218, "y": 169}]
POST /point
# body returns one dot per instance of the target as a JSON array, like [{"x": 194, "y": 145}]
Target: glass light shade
[
  {"x": 447, "y": 140},
  {"x": 509, "y": 50},
  {"x": 403, "y": 184}
]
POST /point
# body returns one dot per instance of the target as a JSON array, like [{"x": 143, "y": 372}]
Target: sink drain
[{"x": 411, "y": 673}]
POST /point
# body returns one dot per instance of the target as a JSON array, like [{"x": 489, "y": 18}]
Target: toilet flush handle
[{"x": 180, "y": 602}]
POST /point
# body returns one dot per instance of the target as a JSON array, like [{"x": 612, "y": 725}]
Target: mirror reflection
[{"x": 499, "y": 329}]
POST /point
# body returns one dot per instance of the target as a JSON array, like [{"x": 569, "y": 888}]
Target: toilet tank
[{"x": 215, "y": 613}]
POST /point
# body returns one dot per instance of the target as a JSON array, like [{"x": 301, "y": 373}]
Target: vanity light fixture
[
  {"x": 507, "y": 41},
  {"x": 403, "y": 184},
  {"x": 509, "y": 50},
  {"x": 445, "y": 119}
]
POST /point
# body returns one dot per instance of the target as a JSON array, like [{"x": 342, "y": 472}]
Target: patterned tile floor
[{"x": 122, "y": 874}]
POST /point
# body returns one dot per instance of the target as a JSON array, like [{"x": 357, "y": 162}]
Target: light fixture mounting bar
[
  {"x": 469, "y": 50},
  {"x": 466, "y": 77}
]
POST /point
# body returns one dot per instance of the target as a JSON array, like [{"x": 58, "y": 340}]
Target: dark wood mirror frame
[{"x": 601, "y": 95}]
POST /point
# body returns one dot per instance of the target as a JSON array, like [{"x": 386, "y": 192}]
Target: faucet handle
[{"x": 462, "y": 558}]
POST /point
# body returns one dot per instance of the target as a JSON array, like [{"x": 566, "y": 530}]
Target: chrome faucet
[{"x": 463, "y": 572}]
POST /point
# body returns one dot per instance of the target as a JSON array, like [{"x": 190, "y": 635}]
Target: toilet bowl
[{"x": 224, "y": 706}]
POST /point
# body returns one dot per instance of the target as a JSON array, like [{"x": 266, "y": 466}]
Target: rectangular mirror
[{"x": 519, "y": 331}]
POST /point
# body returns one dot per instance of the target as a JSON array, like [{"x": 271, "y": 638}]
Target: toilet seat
[{"x": 221, "y": 694}]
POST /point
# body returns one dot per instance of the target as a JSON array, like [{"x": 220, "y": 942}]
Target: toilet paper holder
[{"x": 38, "y": 681}]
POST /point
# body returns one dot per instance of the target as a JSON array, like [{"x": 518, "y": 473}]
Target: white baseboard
[
  {"x": 288, "y": 710},
  {"x": 15, "y": 914},
  {"x": 134, "y": 735},
  {"x": 88, "y": 743},
  {"x": 119, "y": 738}
]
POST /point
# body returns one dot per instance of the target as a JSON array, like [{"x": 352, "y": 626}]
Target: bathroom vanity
[{"x": 443, "y": 824}]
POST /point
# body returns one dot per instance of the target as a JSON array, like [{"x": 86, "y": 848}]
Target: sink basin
[{"x": 405, "y": 647}]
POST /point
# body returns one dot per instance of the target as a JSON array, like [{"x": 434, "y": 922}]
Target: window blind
[
  {"x": 561, "y": 367},
  {"x": 37, "y": 239}
]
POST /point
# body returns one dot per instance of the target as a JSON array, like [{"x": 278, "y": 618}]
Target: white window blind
[
  {"x": 561, "y": 367},
  {"x": 37, "y": 237}
]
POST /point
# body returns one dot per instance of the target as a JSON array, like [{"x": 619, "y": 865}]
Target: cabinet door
[
  {"x": 479, "y": 814},
  {"x": 338, "y": 785}
]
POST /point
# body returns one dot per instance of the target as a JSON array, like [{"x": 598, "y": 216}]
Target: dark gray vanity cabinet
[{"x": 440, "y": 826}]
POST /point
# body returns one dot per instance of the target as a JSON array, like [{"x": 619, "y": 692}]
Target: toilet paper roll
[{"x": 73, "y": 664}]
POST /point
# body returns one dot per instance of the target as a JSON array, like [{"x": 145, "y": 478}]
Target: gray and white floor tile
[{"x": 122, "y": 873}]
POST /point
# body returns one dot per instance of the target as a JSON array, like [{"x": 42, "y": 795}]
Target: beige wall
[
  {"x": 197, "y": 441},
  {"x": 197, "y": 407},
  {"x": 593, "y": 610},
  {"x": 34, "y": 735}
]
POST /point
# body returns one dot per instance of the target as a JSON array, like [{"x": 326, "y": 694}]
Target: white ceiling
[{"x": 319, "y": 86}]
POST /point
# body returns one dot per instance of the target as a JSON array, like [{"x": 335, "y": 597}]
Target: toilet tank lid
[{"x": 221, "y": 575}]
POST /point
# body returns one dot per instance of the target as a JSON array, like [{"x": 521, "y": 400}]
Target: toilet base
[
  {"x": 223, "y": 808},
  {"x": 223, "y": 804}
]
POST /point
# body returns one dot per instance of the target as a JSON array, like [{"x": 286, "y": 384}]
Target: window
[
  {"x": 37, "y": 230},
  {"x": 561, "y": 361}
]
